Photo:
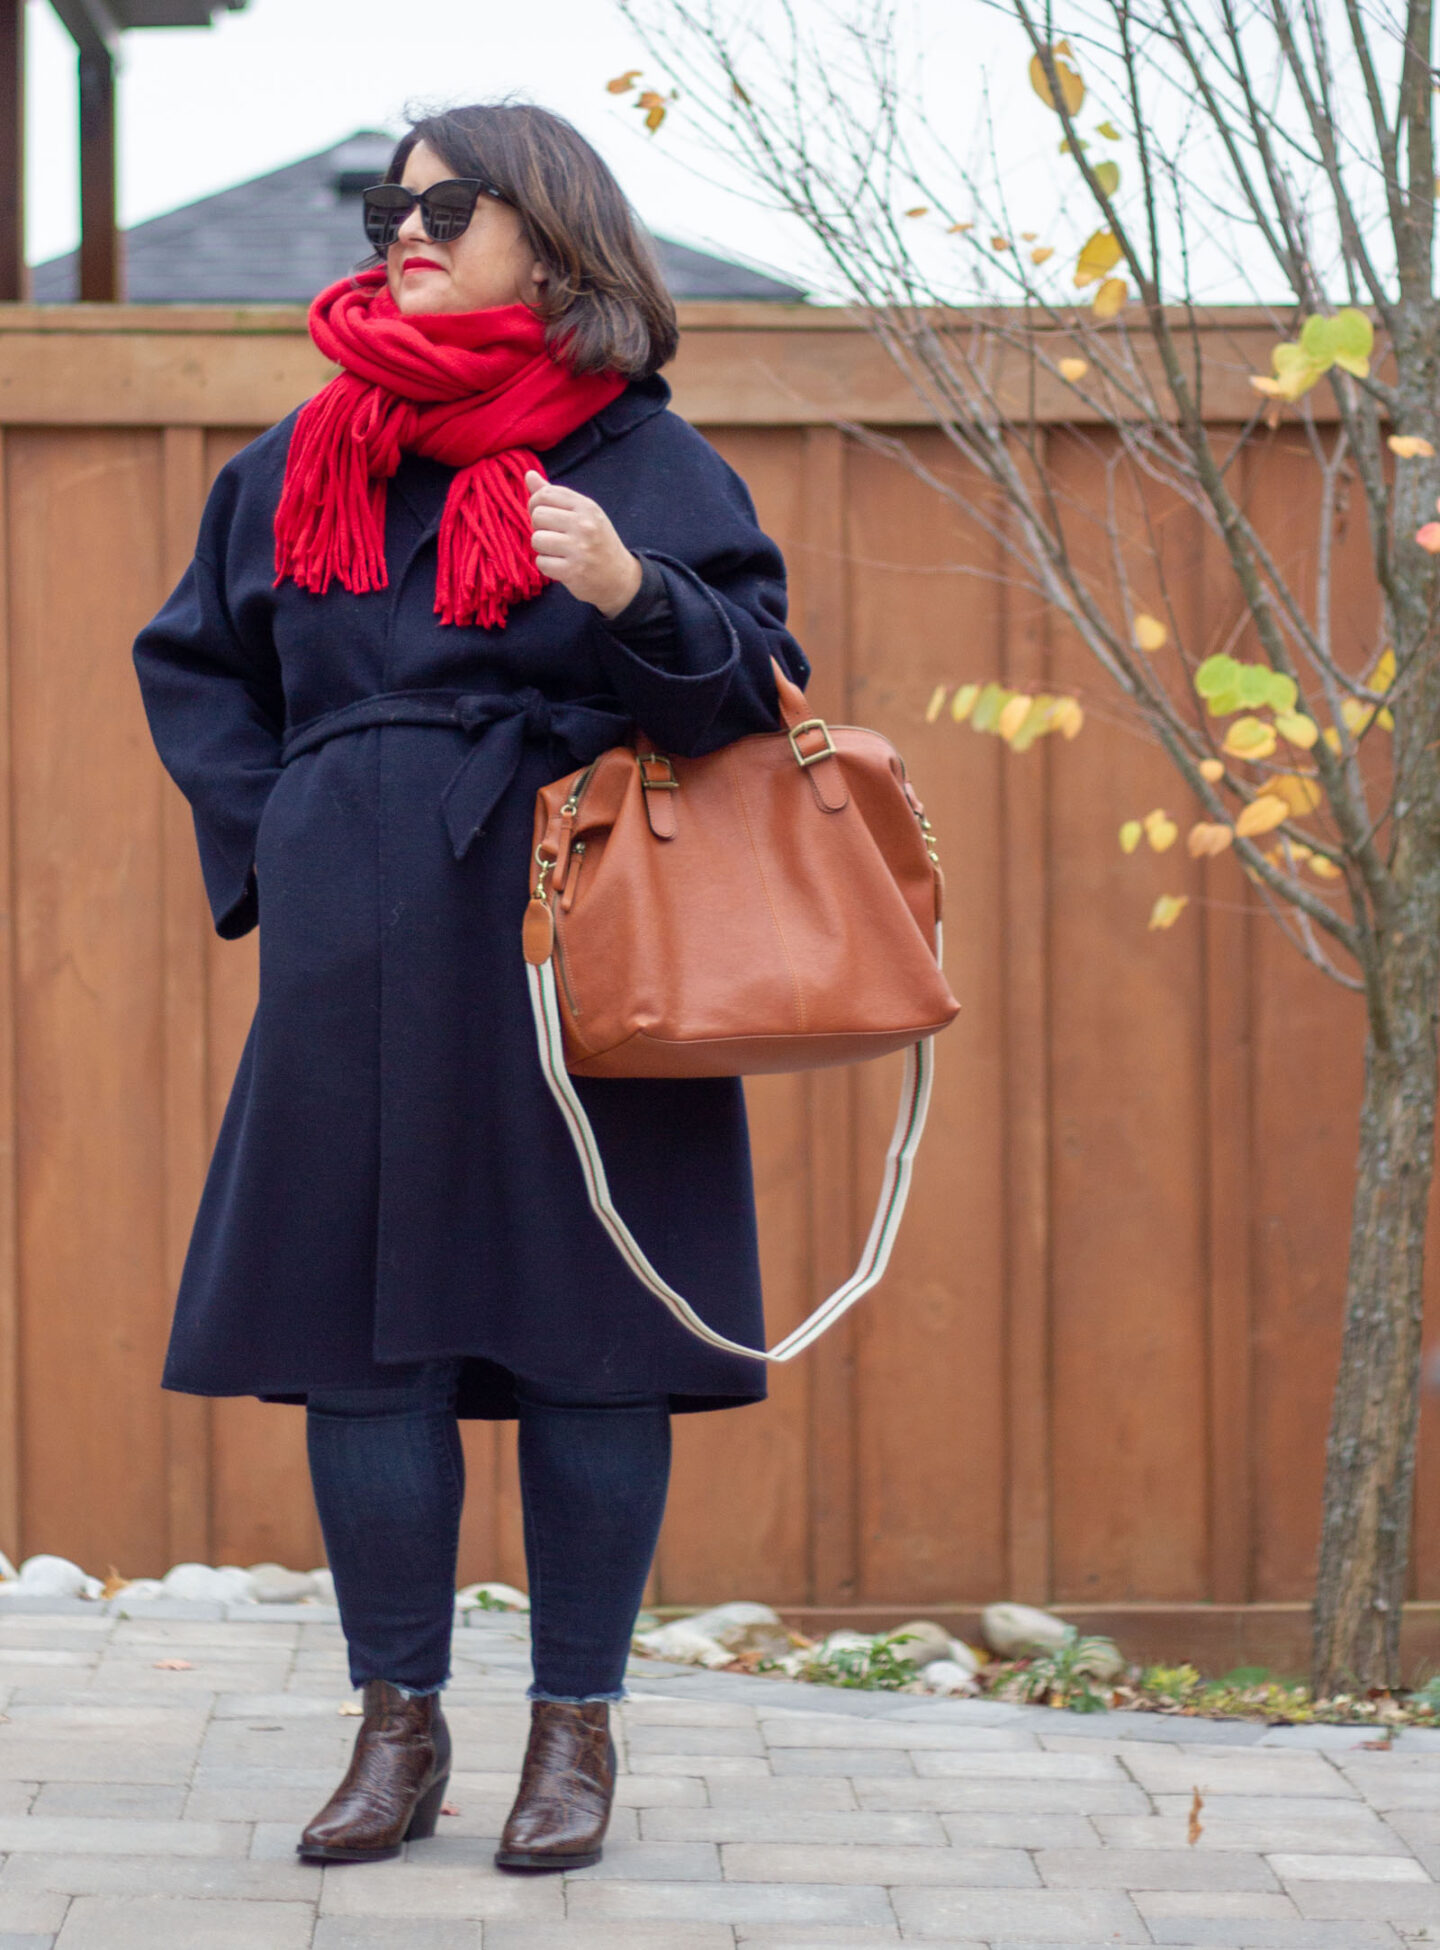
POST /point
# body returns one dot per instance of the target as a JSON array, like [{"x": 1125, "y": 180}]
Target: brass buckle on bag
[
  {"x": 668, "y": 784},
  {"x": 827, "y": 750}
]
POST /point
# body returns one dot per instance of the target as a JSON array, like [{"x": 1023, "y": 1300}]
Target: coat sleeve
[
  {"x": 725, "y": 581},
  {"x": 216, "y": 709}
]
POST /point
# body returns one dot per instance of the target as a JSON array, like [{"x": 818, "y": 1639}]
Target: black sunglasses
[{"x": 445, "y": 208}]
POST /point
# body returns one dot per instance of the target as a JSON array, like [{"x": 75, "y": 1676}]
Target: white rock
[
  {"x": 324, "y": 1582},
  {"x": 948, "y": 1676},
  {"x": 226, "y": 1584},
  {"x": 1102, "y": 1660},
  {"x": 273, "y": 1584},
  {"x": 469, "y": 1597},
  {"x": 7, "y": 1569},
  {"x": 52, "y": 1577},
  {"x": 961, "y": 1653},
  {"x": 142, "y": 1591},
  {"x": 843, "y": 1642},
  {"x": 743, "y": 1627},
  {"x": 1012, "y": 1631},
  {"x": 682, "y": 1643},
  {"x": 921, "y": 1641}
]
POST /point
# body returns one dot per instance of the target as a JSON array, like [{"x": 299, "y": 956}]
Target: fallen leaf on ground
[
  {"x": 1195, "y": 1831},
  {"x": 449, "y": 1808},
  {"x": 350, "y": 1711},
  {"x": 173, "y": 1665}
]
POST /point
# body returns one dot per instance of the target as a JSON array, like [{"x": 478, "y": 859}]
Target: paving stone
[
  {"x": 820, "y": 1936},
  {"x": 1272, "y": 1807},
  {"x": 1398, "y": 1902},
  {"x": 778, "y": 1823},
  {"x": 807, "y": 1730},
  {"x": 17, "y": 1661},
  {"x": 642, "y": 1741},
  {"x": 1213, "y": 1772},
  {"x": 62, "y": 1835},
  {"x": 668, "y": 1790},
  {"x": 1214, "y": 1903},
  {"x": 734, "y": 1767},
  {"x": 122, "y": 1800},
  {"x": 641, "y": 1712},
  {"x": 730, "y": 1902},
  {"x": 990, "y": 1830},
  {"x": 176, "y": 1923},
  {"x": 17, "y": 1797},
  {"x": 850, "y": 1761},
  {"x": 1031, "y": 1766},
  {"x": 1222, "y": 1933},
  {"x": 141, "y": 1875},
  {"x": 1419, "y": 1830},
  {"x": 31, "y": 1911},
  {"x": 1347, "y": 1868},
  {"x": 1006, "y": 1797},
  {"x": 1052, "y": 1915},
  {"x": 593, "y": 1936},
  {"x": 1147, "y": 1868},
  {"x": 385, "y": 1933},
  {"x": 654, "y": 1862},
  {"x": 1359, "y": 1834},
  {"x": 1327, "y": 1739},
  {"x": 820, "y": 1792},
  {"x": 9, "y": 1940},
  {"x": 425, "y": 1888},
  {"x": 993, "y": 1868}
]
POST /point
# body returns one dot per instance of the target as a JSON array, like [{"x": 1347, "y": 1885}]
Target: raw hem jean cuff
[
  {"x": 577, "y": 1699},
  {"x": 418, "y": 1692}
]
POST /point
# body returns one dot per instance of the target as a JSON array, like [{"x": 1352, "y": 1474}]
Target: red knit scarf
[{"x": 476, "y": 390}]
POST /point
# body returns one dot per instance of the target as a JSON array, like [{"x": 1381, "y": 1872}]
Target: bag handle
[{"x": 894, "y": 1186}]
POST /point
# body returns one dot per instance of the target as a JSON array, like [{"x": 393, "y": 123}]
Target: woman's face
[{"x": 487, "y": 264}]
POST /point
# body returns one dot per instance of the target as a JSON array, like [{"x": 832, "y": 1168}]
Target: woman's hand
[{"x": 575, "y": 543}]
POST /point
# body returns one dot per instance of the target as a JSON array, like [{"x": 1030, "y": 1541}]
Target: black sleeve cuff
[{"x": 647, "y": 622}]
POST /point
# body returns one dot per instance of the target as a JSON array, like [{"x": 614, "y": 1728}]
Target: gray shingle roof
[{"x": 280, "y": 238}]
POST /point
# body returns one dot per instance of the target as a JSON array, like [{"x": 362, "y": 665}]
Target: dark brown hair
[{"x": 604, "y": 302}]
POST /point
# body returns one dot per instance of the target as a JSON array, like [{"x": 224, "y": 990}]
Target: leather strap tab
[{"x": 660, "y": 788}]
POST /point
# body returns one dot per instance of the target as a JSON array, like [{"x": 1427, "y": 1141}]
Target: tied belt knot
[{"x": 497, "y": 724}]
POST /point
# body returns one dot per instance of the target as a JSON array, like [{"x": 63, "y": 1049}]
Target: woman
[{"x": 480, "y": 556}]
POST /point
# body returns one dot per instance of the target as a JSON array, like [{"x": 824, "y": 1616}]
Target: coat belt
[{"x": 498, "y": 723}]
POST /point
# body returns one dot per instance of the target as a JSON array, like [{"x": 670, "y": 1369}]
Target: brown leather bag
[{"x": 774, "y": 905}]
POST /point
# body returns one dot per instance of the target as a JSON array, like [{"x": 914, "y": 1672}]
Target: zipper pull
[
  {"x": 572, "y": 876},
  {"x": 537, "y": 935}
]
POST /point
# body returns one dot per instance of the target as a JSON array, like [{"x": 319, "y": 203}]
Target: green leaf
[
  {"x": 1109, "y": 131},
  {"x": 1254, "y": 685},
  {"x": 1218, "y": 673},
  {"x": 1107, "y": 175},
  {"x": 1347, "y": 340},
  {"x": 988, "y": 706},
  {"x": 1282, "y": 693},
  {"x": 1222, "y": 705}
]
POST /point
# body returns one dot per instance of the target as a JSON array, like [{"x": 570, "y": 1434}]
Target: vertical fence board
[{"x": 11, "y": 1399}]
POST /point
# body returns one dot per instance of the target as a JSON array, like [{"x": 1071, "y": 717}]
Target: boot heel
[{"x": 427, "y": 1812}]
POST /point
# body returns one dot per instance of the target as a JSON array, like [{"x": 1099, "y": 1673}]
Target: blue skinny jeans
[{"x": 389, "y": 1480}]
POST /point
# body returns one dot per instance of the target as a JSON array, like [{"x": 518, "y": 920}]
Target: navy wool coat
[{"x": 392, "y": 1181}]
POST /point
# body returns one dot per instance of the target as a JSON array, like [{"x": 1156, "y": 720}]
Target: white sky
[{"x": 201, "y": 109}]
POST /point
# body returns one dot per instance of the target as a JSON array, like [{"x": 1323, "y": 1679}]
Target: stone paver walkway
[{"x": 146, "y": 1806}]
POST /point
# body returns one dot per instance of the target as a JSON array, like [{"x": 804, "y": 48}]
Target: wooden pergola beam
[
  {"x": 102, "y": 265},
  {"x": 14, "y": 278}
]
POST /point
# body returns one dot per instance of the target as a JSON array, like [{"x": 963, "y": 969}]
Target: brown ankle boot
[
  {"x": 394, "y": 1786},
  {"x": 566, "y": 1787}
]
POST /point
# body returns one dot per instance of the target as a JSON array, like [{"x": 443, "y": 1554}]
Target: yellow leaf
[
  {"x": 1296, "y": 729},
  {"x": 1068, "y": 717},
  {"x": 1301, "y": 793},
  {"x": 1107, "y": 175},
  {"x": 172, "y": 1665},
  {"x": 1074, "y": 369},
  {"x": 1383, "y": 675},
  {"x": 1131, "y": 834},
  {"x": 1325, "y": 869},
  {"x": 1211, "y": 769},
  {"x": 1150, "y": 633},
  {"x": 1072, "y": 88},
  {"x": 1386, "y": 719},
  {"x": 1331, "y": 737},
  {"x": 1207, "y": 837},
  {"x": 1000, "y": 244},
  {"x": 1249, "y": 738},
  {"x": 957, "y": 229},
  {"x": 920, "y": 210},
  {"x": 936, "y": 704},
  {"x": 963, "y": 702},
  {"x": 1013, "y": 716},
  {"x": 1109, "y": 131},
  {"x": 1410, "y": 446},
  {"x": 1271, "y": 388},
  {"x": 1160, "y": 830},
  {"x": 1261, "y": 815},
  {"x": 623, "y": 83},
  {"x": 1099, "y": 253},
  {"x": 1356, "y": 715},
  {"x": 1042, "y": 254},
  {"x": 1110, "y": 298},
  {"x": 1028, "y": 236},
  {"x": 1428, "y": 537},
  {"x": 1168, "y": 909}
]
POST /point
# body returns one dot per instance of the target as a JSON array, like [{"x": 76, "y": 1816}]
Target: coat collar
[{"x": 422, "y": 483}]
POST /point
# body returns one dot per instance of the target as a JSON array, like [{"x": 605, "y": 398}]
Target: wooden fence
[{"x": 1099, "y": 1372}]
